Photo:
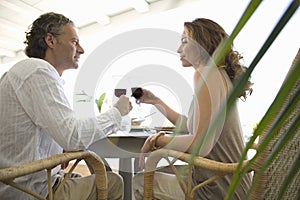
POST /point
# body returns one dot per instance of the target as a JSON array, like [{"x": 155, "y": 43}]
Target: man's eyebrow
[{"x": 74, "y": 38}]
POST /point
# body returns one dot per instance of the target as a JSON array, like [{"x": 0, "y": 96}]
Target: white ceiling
[{"x": 17, "y": 15}]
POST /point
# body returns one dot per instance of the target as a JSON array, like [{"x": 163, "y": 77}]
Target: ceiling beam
[
  {"x": 140, "y": 5},
  {"x": 21, "y": 7},
  {"x": 8, "y": 25},
  {"x": 102, "y": 19}
]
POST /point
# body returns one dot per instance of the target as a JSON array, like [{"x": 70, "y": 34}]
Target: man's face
[{"x": 67, "y": 49}]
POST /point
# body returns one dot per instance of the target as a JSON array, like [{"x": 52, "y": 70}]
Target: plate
[
  {"x": 138, "y": 128},
  {"x": 165, "y": 128}
]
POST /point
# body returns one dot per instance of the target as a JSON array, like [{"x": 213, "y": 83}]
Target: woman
[{"x": 212, "y": 84}]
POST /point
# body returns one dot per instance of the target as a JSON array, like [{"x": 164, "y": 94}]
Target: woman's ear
[{"x": 50, "y": 40}]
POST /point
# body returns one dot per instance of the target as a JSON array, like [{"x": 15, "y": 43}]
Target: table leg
[
  {"x": 125, "y": 170},
  {"x": 136, "y": 167}
]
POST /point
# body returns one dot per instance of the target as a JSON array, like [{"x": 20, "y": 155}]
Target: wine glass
[
  {"x": 119, "y": 92},
  {"x": 137, "y": 93}
]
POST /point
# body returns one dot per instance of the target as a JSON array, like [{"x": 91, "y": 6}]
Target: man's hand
[{"x": 123, "y": 105}]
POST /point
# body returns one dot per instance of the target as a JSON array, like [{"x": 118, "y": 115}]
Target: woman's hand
[
  {"x": 148, "y": 97},
  {"x": 144, "y": 150}
]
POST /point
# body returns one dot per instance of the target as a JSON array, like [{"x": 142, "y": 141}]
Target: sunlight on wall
[
  {"x": 270, "y": 72},
  {"x": 267, "y": 76},
  {"x": 149, "y": 69}
]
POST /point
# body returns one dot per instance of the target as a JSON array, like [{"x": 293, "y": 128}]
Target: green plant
[
  {"x": 84, "y": 97},
  {"x": 100, "y": 101},
  {"x": 274, "y": 109}
]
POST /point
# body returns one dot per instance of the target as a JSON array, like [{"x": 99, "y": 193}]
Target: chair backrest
[
  {"x": 7, "y": 175},
  {"x": 271, "y": 180}
]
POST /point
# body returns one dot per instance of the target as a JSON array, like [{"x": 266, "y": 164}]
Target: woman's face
[{"x": 189, "y": 51}]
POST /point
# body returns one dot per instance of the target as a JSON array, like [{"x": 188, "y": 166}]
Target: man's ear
[{"x": 50, "y": 40}]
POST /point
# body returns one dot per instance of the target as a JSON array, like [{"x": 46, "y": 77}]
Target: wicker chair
[
  {"x": 266, "y": 184},
  {"x": 7, "y": 175},
  {"x": 271, "y": 180}
]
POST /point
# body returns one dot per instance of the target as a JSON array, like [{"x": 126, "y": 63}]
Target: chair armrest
[
  {"x": 254, "y": 146},
  {"x": 98, "y": 166},
  {"x": 215, "y": 166},
  {"x": 95, "y": 162},
  {"x": 219, "y": 168}
]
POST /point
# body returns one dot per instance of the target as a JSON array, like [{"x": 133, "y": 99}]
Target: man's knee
[
  {"x": 114, "y": 178},
  {"x": 137, "y": 186},
  {"x": 115, "y": 186}
]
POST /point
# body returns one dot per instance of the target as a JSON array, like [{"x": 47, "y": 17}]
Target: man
[{"x": 36, "y": 120}]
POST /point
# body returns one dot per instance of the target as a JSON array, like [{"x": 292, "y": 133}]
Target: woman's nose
[{"x": 179, "y": 50}]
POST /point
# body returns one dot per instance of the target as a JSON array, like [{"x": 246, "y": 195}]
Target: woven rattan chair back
[
  {"x": 268, "y": 183},
  {"x": 8, "y": 175}
]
